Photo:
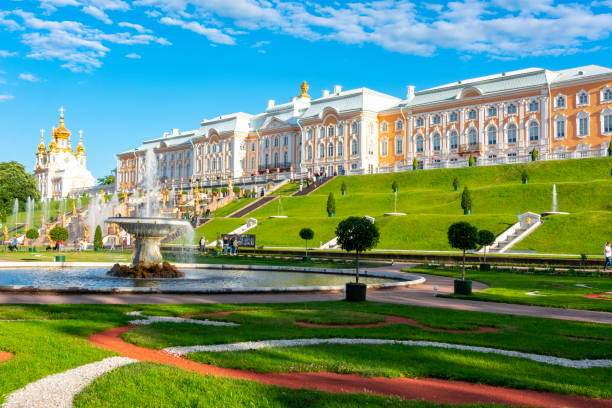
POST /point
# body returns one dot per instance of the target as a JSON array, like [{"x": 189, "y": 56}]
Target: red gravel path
[
  {"x": 441, "y": 391},
  {"x": 598, "y": 296},
  {"x": 5, "y": 355}
]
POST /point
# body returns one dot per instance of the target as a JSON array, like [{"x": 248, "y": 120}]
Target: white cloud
[
  {"x": 133, "y": 55},
  {"x": 213, "y": 34},
  {"x": 136, "y": 27},
  {"x": 4, "y": 98},
  {"x": 29, "y": 77},
  {"x": 4, "y": 53},
  {"x": 259, "y": 44},
  {"x": 97, "y": 13}
]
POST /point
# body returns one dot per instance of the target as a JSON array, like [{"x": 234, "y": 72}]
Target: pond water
[{"x": 195, "y": 279}]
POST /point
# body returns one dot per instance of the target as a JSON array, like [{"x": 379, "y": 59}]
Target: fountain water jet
[{"x": 554, "y": 205}]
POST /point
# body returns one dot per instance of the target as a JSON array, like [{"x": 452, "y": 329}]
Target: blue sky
[{"x": 127, "y": 70}]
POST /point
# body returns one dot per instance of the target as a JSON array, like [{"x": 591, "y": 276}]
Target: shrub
[
  {"x": 471, "y": 161},
  {"x": 32, "y": 233},
  {"x": 463, "y": 235},
  {"x": 224, "y": 190},
  {"x": 534, "y": 154},
  {"x": 343, "y": 188},
  {"x": 236, "y": 190},
  {"x": 58, "y": 234},
  {"x": 98, "y": 243},
  {"x": 331, "y": 205},
  {"x": 455, "y": 183},
  {"x": 394, "y": 186},
  {"x": 306, "y": 234},
  {"x": 357, "y": 234},
  {"x": 466, "y": 200},
  {"x": 524, "y": 176},
  {"x": 415, "y": 164}
]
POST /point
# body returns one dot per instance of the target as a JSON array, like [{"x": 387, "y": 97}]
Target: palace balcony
[{"x": 470, "y": 148}]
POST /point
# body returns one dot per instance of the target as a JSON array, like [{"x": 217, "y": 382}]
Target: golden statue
[
  {"x": 74, "y": 209},
  {"x": 165, "y": 193},
  {"x": 125, "y": 196},
  {"x": 85, "y": 233},
  {"x": 304, "y": 87},
  {"x": 6, "y": 233}
]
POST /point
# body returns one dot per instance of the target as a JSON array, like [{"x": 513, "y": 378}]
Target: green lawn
[
  {"x": 231, "y": 207},
  {"x": 71, "y": 256},
  {"x": 138, "y": 385},
  {"x": 553, "y": 290},
  {"x": 559, "y": 338}
]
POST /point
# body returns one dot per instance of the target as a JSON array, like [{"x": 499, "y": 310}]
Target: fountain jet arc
[{"x": 148, "y": 233}]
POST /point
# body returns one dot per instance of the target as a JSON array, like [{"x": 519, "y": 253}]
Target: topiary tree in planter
[
  {"x": 32, "y": 234},
  {"x": 394, "y": 186},
  {"x": 485, "y": 239},
  {"x": 306, "y": 234},
  {"x": 534, "y": 154},
  {"x": 58, "y": 234},
  {"x": 464, "y": 236},
  {"x": 357, "y": 234},
  {"x": 466, "y": 201},
  {"x": 98, "y": 244},
  {"x": 331, "y": 205},
  {"x": 236, "y": 190},
  {"x": 471, "y": 161},
  {"x": 415, "y": 164},
  {"x": 455, "y": 184},
  {"x": 343, "y": 188},
  {"x": 525, "y": 177},
  {"x": 610, "y": 148}
]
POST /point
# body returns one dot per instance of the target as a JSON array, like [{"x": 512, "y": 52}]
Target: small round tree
[
  {"x": 343, "y": 188},
  {"x": 331, "y": 205},
  {"x": 32, "y": 234},
  {"x": 357, "y": 234},
  {"x": 58, "y": 234},
  {"x": 394, "y": 186},
  {"x": 98, "y": 244},
  {"x": 534, "y": 154},
  {"x": 236, "y": 190},
  {"x": 525, "y": 176},
  {"x": 456, "y": 184},
  {"x": 463, "y": 235},
  {"x": 306, "y": 234},
  {"x": 466, "y": 201},
  {"x": 471, "y": 161},
  {"x": 485, "y": 238},
  {"x": 415, "y": 164}
]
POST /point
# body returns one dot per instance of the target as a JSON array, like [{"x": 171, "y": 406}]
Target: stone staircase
[
  {"x": 527, "y": 223},
  {"x": 260, "y": 202},
  {"x": 312, "y": 187}
]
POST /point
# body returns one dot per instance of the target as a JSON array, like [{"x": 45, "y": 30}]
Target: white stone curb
[
  {"x": 59, "y": 390},
  {"x": 170, "y": 319},
  {"x": 256, "y": 345}
]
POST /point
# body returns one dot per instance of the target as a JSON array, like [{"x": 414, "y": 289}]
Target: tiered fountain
[{"x": 148, "y": 231}]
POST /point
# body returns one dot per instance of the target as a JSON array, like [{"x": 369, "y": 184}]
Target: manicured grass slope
[{"x": 584, "y": 188}]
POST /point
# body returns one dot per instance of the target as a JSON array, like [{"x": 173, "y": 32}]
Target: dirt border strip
[
  {"x": 436, "y": 390},
  {"x": 5, "y": 355},
  {"x": 598, "y": 296}
]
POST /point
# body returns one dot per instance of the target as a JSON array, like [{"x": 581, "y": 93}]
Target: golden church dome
[{"x": 61, "y": 132}]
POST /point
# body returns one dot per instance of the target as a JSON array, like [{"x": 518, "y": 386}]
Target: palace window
[
  {"x": 453, "y": 139},
  {"x": 607, "y": 121},
  {"x": 583, "y": 124},
  {"x": 511, "y": 109},
  {"x": 309, "y": 152},
  {"x": 511, "y": 131},
  {"x": 252, "y": 162},
  {"x": 560, "y": 127},
  {"x": 309, "y": 133},
  {"x": 330, "y": 131},
  {"x": 435, "y": 120},
  {"x": 472, "y": 137},
  {"x": 582, "y": 99},
  {"x": 354, "y": 147},
  {"x": 285, "y": 141},
  {"x": 330, "y": 150},
  {"x": 453, "y": 117},
  {"x": 383, "y": 127},
  {"x": 492, "y": 111},
  {"x": 370, "y": 129},
  {"x": 276, "y": 159},
  {"x": 436, "y": 142},
  {"x": 321, "y": 150},
  {"x": 252, "y": 147},
  {"x": 266, "y": 144},
  {"x": 606, "y": 95},
  {"x": 354, "y": 128},
  {"x": 399, "y": 124},
  {"x": 398, "y": 145},
  {"x": 472, "y": 114},
  {"x": 321, "y": 132},
  {"x": 384, "y": 147},
  {"x": 267, "y": 161},
  {"x": 285, "y": 159},
  {"x": 340, "y": 129},
  {"x": 419, "y": 144},
  {"x": 340, "y": 149},
  {"x": 370, "y": 147},
  {"x": 560, "y": 101},
  {"x": 420, "y": 122},
  {"x": 534, "y": 131},
  {"x": 492, "y": 135},
  {"x": 534, "y": 106}
]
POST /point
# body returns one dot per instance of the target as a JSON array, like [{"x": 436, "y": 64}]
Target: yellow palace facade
[{"x": 494, "y": 119}]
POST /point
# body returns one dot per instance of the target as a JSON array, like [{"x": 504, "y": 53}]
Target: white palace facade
[{"x": 494, "y": 119}]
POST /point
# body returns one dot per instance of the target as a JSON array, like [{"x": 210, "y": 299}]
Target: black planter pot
[
  {"x": 31, "y": 249},
  {"x": 467, "y": 212},
  {"x": 463, "y": 287},
  {"x": 485, "y": 267},
  {"x": 306, "y": 259},
  {"x": 356, "y": 292},
  {"x": 60, "y": 258}
]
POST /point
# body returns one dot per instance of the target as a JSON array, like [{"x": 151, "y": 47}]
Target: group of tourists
[
  {"x": 230, "y": 246},
  {"x": 608, "y": 256}
]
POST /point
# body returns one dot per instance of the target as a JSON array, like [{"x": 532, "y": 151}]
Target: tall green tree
[
  {"x": 98, "y": 243},
  {"x": 306, "y": 234},
  {"x": 15, "y": 182},
  {"x": 331, "y": 205},
  {"x": 106, "y": 180},
  {"x": 357, "y": 234},
  {"x": 466, "y": 200}
]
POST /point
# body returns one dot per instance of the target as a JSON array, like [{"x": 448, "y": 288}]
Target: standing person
[
  {"x": 225, "y": 245},
  {"x": 235, "y": 246},
  {"x": 202, "y": 244},
  {"x": 608, "y": 255}
]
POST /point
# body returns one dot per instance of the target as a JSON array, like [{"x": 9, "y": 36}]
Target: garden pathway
[{"x": 421, "y": 295}]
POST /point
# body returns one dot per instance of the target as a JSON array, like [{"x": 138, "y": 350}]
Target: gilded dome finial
[
  {"x": 41, "y": 145},
  {"x": 80, "y": 148},
  {"x": 304, "y": 87},
  {"x": 61, "y": 132}
]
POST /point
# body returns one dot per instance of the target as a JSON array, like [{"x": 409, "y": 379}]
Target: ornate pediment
[{"x": 273, "y": 123}]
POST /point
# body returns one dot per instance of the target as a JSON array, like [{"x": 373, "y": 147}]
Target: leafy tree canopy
[
  {"x": 357, "y": 234},
  {"x": 58, "y": 233},
  {"x": 306, "y": 234},
  {"x": 106, "y": 180},
  {"x": 463, "y": 235},
  {"x": 15, "y": 182}
]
